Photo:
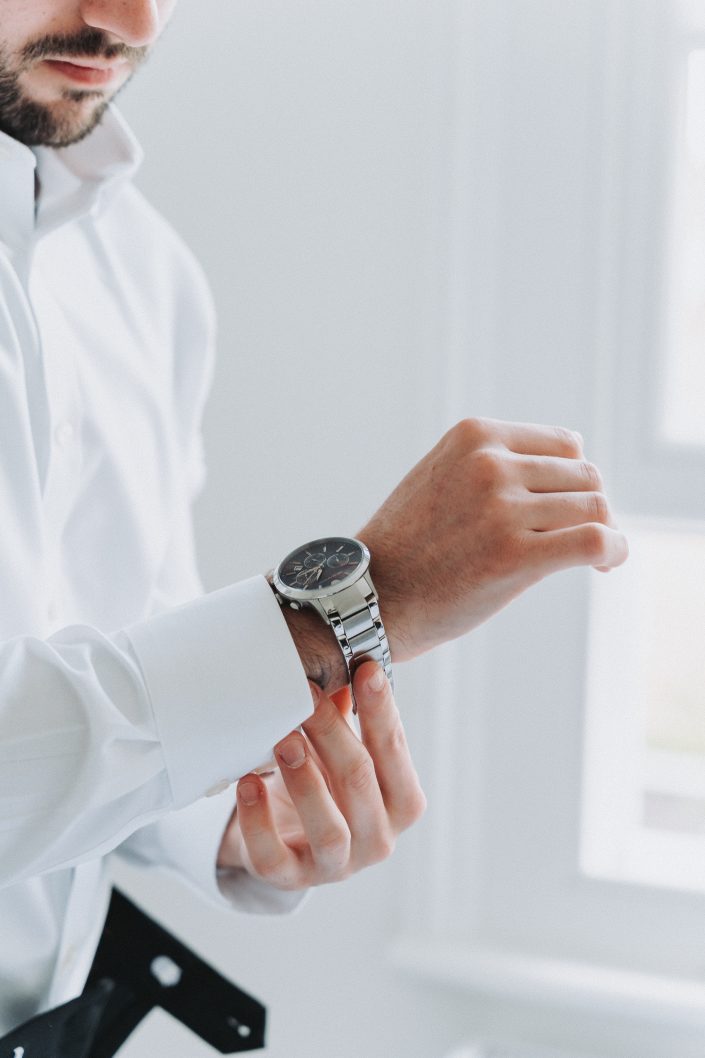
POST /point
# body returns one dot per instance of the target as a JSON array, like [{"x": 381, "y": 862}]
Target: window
[
  {"x": 644, "y": 794},
  {"x": 644, "y": 818}
]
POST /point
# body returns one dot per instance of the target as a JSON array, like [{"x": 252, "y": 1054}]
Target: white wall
[{"x": 301, "y": 149}]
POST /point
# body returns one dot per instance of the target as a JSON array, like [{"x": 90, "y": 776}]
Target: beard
[
  {"x": 48, "y": 124},
  {"x": 75, "y": 114}
]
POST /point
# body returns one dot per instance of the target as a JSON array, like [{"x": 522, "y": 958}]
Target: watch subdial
[
  {"x": 308, "y": 578},
  {"x": 339, "y": 560}
]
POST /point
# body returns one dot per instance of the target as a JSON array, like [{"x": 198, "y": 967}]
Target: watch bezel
[{"x": 304, "y": 595}]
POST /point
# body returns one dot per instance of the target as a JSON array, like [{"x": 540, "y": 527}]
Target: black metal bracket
[
  {"x": 139, "y": 966},
  {"x": 149, "y": 968}
]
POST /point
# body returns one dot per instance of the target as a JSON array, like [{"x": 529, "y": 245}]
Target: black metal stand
[
  {"x": 65, "y": 1032},
  {"x": 139, "y": 966}
]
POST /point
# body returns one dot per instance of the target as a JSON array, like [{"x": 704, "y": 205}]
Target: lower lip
[{"x": 90, "y": 75}]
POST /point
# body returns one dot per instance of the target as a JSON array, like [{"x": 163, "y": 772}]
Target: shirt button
[
  {"x": 70, "y": 957},
  {"x": 63, "y": 434},
  {"x": 218, "y": 788}
]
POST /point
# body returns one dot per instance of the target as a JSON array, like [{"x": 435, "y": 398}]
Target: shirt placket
[{"x": 65, "y": 441}]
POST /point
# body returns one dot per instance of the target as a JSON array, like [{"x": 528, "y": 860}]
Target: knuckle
[
  {"x": 395, "y": 742},
  {"x": 270, "y": 866},
  {"x": 360, "y": 775},
  {"x": 471, "y": 432},
  {"x": 324, "y": 722},
  {"x": 569, "y": 441},
  {"x": 333, "y": 846},
  {"x": 488, "y": 470},
  {"x": 598, "y": 507},
  {"x": 591, "y": 475},
  {"x": 381, "y": 848},
  {"x": 415, "y": 807},
  {"x": 594, "y": 540}
]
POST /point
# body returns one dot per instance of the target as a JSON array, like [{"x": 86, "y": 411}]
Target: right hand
[
  {"x": 491, "y": 510},
  {"x": 334, "y": 806}
]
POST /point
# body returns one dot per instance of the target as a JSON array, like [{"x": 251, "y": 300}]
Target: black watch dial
[{"x": 321, "y": 564}]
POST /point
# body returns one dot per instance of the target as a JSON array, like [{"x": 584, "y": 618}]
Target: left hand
[{"x": 341, "y": 808}]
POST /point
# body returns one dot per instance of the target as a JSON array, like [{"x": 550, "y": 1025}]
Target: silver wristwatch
[{"x": 331, "y": 576}]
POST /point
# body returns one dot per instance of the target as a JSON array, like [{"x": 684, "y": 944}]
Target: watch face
[{"x": 323, "y": 566}]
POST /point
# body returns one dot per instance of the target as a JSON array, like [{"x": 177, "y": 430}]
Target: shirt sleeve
[
  {"x": 187, "y": 841},
  {"x": 103, "y": 734}
]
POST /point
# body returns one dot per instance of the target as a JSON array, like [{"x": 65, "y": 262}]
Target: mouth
[{"x": 88, "y": 71}]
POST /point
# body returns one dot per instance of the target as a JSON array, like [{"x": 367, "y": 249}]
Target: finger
[
  {"x": 344, "y": 703},
  {"x": 584, "y": 545},
  {"x": 324, "y": 825},
  {"x": 383, "y": 735},
  {"x": 562, "y": 510},
  {"x": 343, "y": 700},
  {"x": 271, "y": 858},
  {"x": 550, "y": 474},
  {"x": 533, "y": 439},
  {"x": 353, "y": 783}
]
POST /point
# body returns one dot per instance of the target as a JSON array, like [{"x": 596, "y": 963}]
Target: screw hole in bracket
[
  {"x": 166, "y": 971},
  {"x": 242, "y": 1030}
]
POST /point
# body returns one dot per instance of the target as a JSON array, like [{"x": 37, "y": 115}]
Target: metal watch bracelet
[{"x": 354, "y": 616}]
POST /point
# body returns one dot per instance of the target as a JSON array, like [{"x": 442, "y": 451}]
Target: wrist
[
  {"x": 389, "y": 589},
  {"x": 321, "y": 657}
]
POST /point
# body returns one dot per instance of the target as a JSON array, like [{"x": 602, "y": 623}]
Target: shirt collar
[
  {"x": 73, "y": 180},
  {"x": 17, "y": 175}
]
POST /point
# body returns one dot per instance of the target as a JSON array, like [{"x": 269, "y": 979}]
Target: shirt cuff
[
  {"x": 245, "y": 893},
  {"x": 225, "y": 683}
]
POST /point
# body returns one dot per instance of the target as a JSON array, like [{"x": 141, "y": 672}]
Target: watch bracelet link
[{"x": 360, "y": 632}]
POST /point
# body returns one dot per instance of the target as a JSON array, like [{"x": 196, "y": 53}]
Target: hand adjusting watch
[{"x": 331, "y": 576}]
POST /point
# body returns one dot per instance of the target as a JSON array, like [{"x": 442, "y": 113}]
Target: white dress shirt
[{"x": 126, "y": 695}]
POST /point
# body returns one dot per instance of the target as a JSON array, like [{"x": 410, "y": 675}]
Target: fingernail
[
  {"x": 376, "y": 680},
  {"x": 315, "y": 692},
  {"x": 248, "y": 792},
  {"x": 292, "y": 752}
]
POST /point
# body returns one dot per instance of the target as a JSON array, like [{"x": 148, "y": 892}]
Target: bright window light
[{"x": 644, "y": 788}]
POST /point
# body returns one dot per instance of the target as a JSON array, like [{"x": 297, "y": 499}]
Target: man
[{"x": 126, "y": 695}]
